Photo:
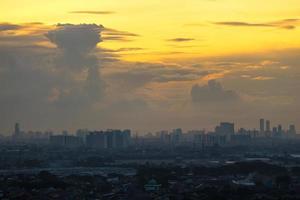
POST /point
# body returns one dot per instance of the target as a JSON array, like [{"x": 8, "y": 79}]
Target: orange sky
[{"x": 158, "y": 22}]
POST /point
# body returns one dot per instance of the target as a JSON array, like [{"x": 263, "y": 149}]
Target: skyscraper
[
  {"x": 225, "y": 129},
  {"x": 17, "y": 131},
  {"x": 268, "y": 126},
  {"x": 279, "y": 130},
  {"x": 109, "y": 139},
  {"x": 262, "y": 125}
]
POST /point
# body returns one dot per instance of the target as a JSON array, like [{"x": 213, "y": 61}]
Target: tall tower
[
  {"x": 262, "y": 125},
  {"x": 17, "y": 131},
  {"x": 279, "y": 129},
  {"x": 268, "y": 126}
]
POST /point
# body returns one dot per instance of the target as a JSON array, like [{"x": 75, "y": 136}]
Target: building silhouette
[
  {"x": 262, "y": 125},
  {"x": 268, "y": 126},
  {"x": 225, "y": 129}
]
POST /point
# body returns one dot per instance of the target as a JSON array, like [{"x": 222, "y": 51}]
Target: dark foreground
[{"x": 241, "y": 181}]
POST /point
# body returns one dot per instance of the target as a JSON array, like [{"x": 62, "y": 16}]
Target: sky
[{"x": 148, "y": 65}]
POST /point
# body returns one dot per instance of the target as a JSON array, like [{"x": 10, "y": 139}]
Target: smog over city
[{"x": 140, "y": 99}]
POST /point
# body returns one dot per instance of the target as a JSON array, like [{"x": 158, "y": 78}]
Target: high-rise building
[
  {"x": 97, "y": 139},
  {"x": 274, "y": 131},
  {"x": 65, "y": 141},
  {"x": 119, "y": 139},
  {"x": 262, "y": 125},
  {"x": 17, "y": 134},
  {"x": 225, "y": 129},
  {"x": 82, "y": 133},
  {"x": 110, "y": 139},
  {"x": 176, "y": 136},
  {"x": 127, "y": 137},
  {"x": 268, "y": 126},
  {"x": 17, "y": 130},
  {"x": 279, "y": 129}
]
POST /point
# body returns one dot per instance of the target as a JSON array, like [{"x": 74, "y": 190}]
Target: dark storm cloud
[
  {"x": 77, "y": 43},
  {"x": 92, "y": 12},
  {"x": 45, "y": 85},
  {"x": 76, "y": 38},
  {"x": 181, "y": 39},
  {"x": 284, "y": 24},
  {"x": 213, "y": 92}
]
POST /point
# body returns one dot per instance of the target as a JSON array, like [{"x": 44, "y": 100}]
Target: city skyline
[
  {"x": 264, "y": 126},
  {"x": 225, "y": 134}
]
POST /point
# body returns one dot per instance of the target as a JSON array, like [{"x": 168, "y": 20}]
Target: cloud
[
  {"x": 9, "y": 27},
  {"x": 129, "y": 49},
  {"x": 48, "y": 86},
  {"x": 77, "y": 43},
  {"x": 284, "y": 24},
  {"x": 114, "y": 32},
  {"x": 233, "y": 23},
  {"x": 67, "y": 81},
  {"x": 263, "y": 78},
  {"x": 92, "y": 12},
  {"x": 23, "y": 29},
  {"x": 129, "y": 105},
  {"x": 25, "y": 82},
  {"x": 181, "y": 39},
  {"x": 76, "y": 38},
  {"x": 213, "y": 92},
  {"x": 110, "y": 34},
  {"x": 23, "y": 35},
  {"x": 131, "y": 76}
]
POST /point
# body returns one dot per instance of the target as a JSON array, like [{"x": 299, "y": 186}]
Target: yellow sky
[{"x": 157, "y": 21}]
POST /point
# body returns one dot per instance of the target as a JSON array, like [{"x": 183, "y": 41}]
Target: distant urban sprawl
[{"x": 224, "y": 134}]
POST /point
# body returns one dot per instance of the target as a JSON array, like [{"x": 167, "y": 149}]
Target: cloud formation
[
  {"x": 53, "y": 86},
  {"x": 131, "y": 76},
  {"x": 8, "y": 27},
  {"x": 181, "y": 39},
  {"x": 61, "y": 77},
  {"x": 92, "y": 12},
  {"x": 213, "y": 92},
  {"x": 77, "y": 43},
  {"x": 110, "y": 34},
  {"x": 284, "y": 24}
]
